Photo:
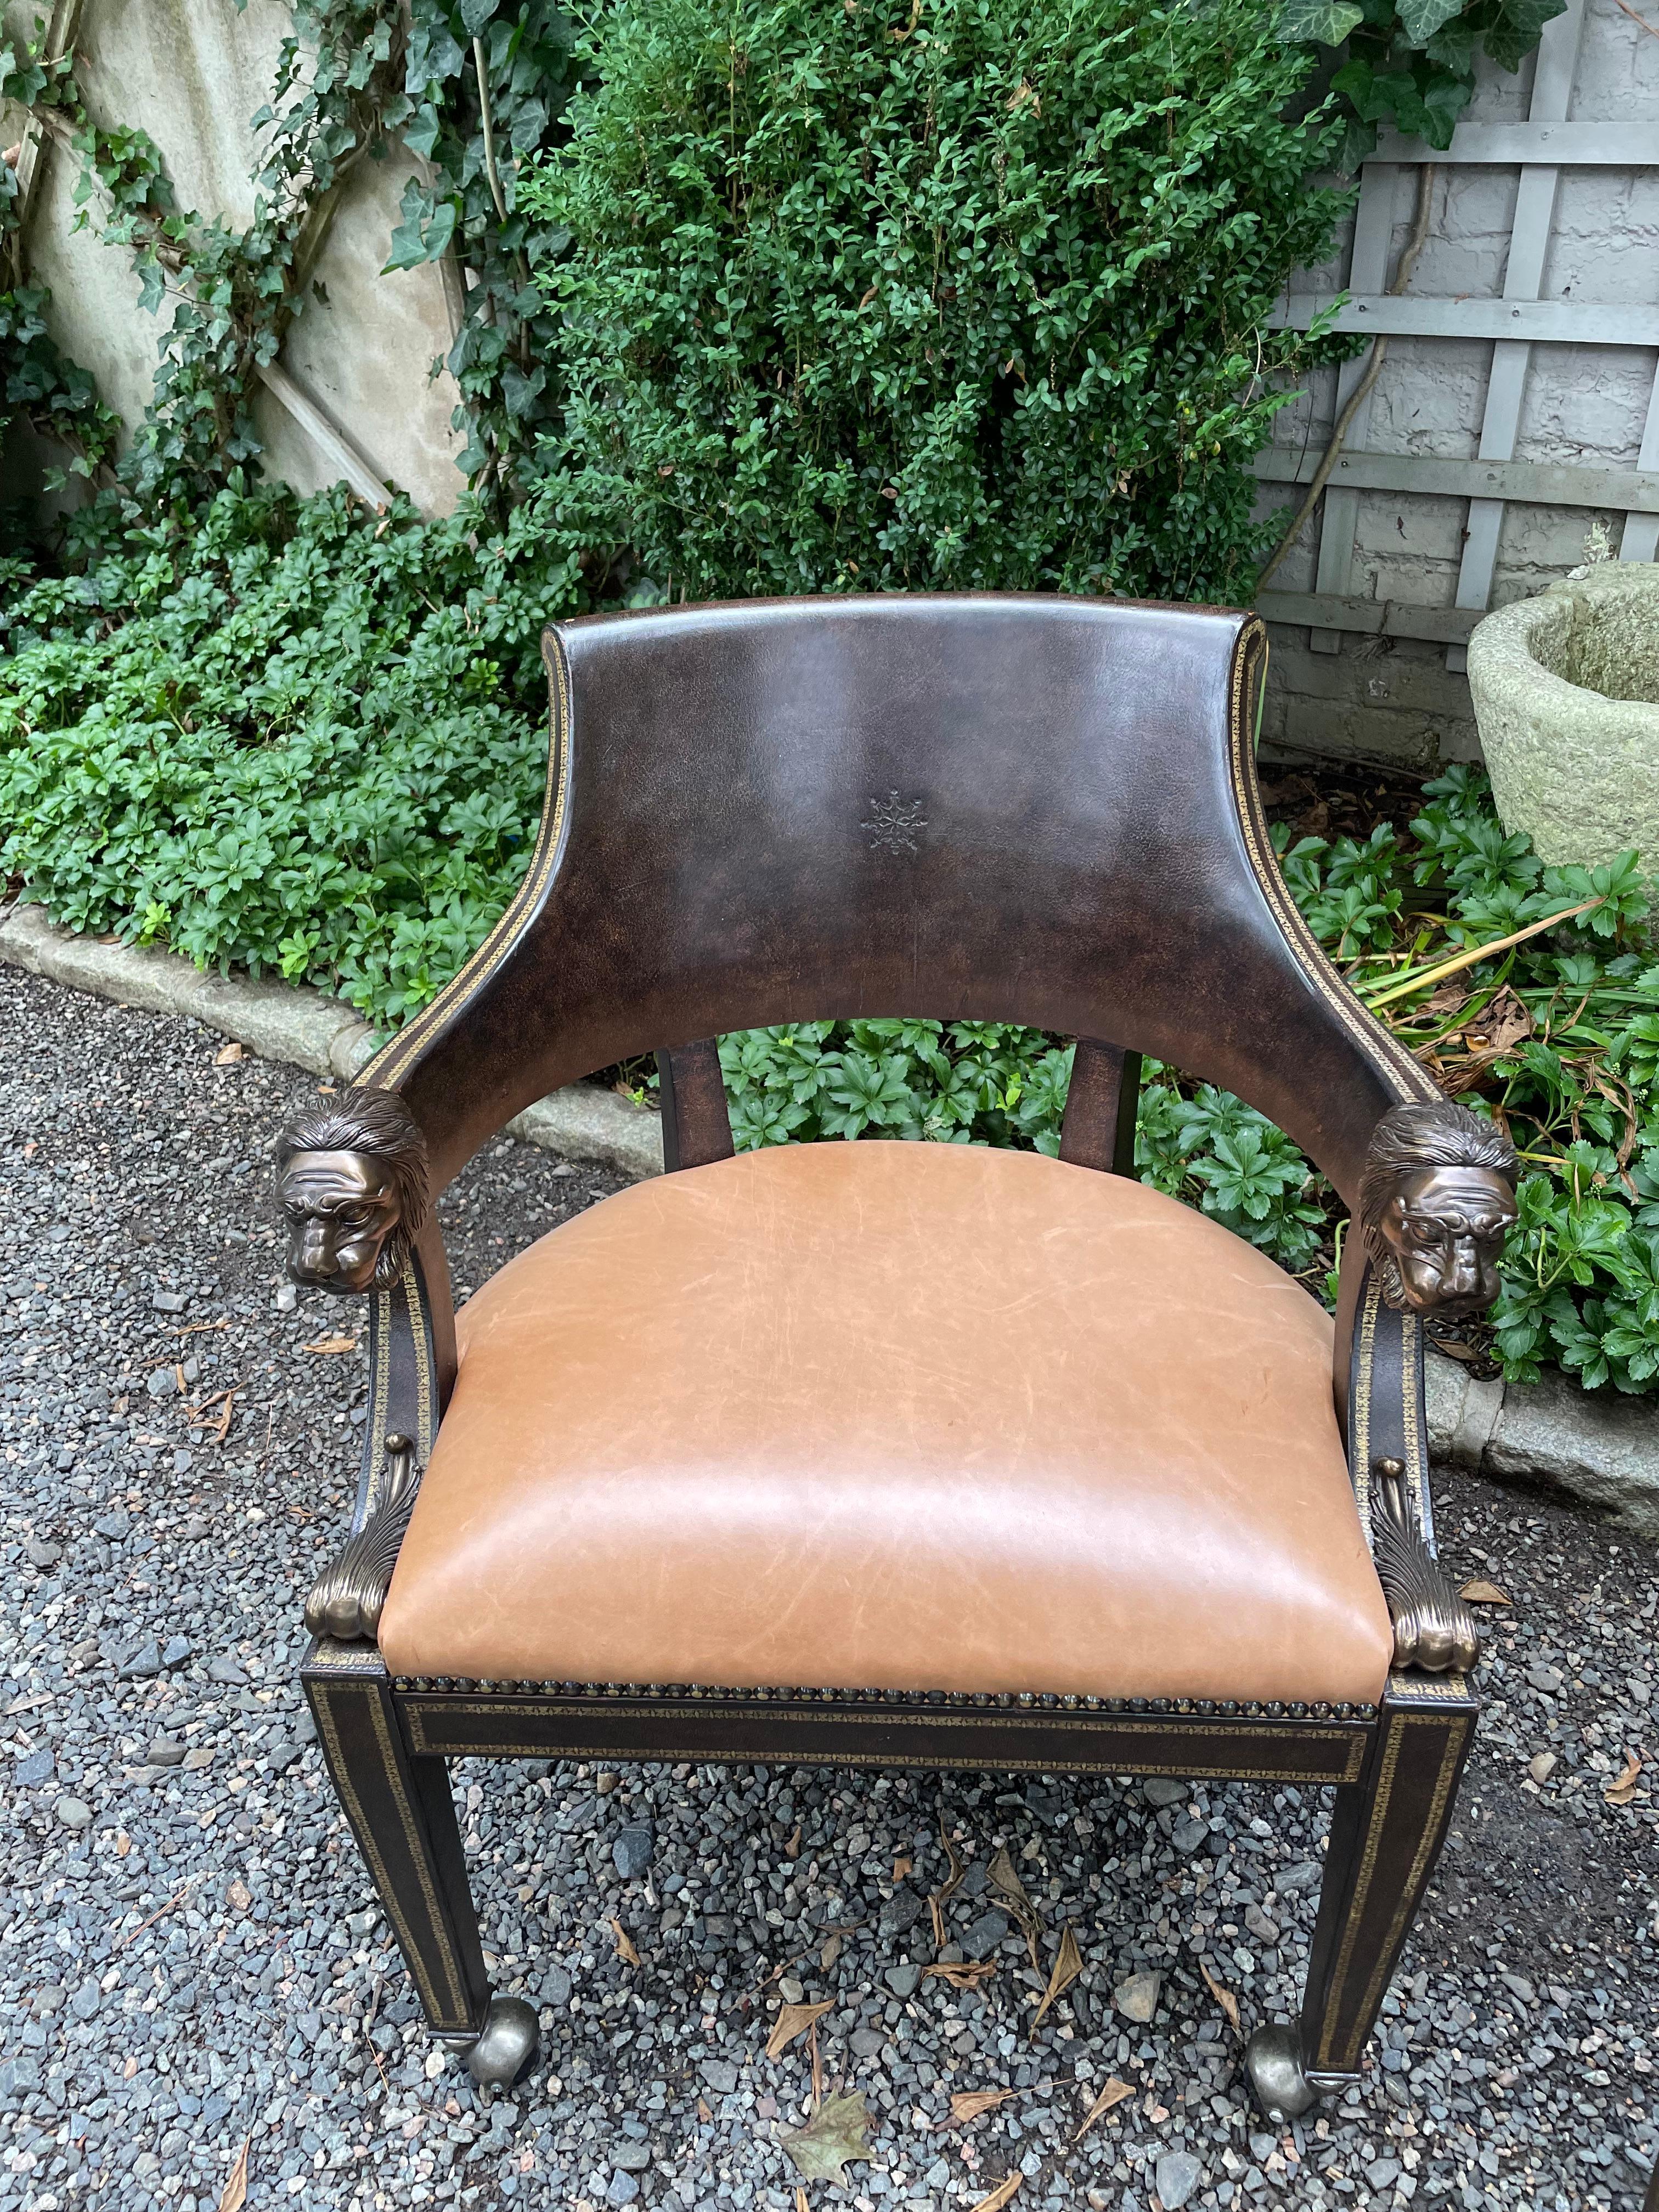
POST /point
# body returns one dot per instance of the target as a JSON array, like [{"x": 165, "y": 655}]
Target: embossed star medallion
[{"x": 894, "y": 823}]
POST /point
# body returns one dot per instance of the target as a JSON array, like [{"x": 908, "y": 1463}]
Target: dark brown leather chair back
[{"x": 980, "y": 807}]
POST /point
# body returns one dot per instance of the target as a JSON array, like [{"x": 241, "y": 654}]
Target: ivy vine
[
  {"x": 1411, "y": 63},
  {"x": 474, "y": 90}
]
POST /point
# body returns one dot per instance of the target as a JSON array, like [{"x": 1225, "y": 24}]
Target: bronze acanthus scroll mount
[{"x": 347, "y": 1597}]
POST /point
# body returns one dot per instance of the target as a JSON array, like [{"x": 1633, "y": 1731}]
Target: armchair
[{"x": 711, "y": 1472}]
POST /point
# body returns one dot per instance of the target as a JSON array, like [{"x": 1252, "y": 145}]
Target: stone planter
[{"x": 1566, "y": 696}]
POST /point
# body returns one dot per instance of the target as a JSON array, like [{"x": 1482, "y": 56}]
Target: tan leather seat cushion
[{"x": 905, "y": 1416}]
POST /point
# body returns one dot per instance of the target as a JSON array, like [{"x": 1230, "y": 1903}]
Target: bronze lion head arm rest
[
  {"x": 352, "y": 1188},
  {"x": 1436, "y": 1201},
  {"x": 351, "y": 1181},
  {"x": 1434, "y": 1207}
]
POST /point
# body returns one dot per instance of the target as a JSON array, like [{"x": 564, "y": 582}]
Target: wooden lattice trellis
[{"x": 1517, "y": 321}]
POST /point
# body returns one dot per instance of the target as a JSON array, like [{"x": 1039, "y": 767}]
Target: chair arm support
[
  {"x": 1437, "y": 1200},
  {"x": 346, "y": 1598},
  {"x": 352, "y": 1186},
  {"x": 1388, "y": 1458}
]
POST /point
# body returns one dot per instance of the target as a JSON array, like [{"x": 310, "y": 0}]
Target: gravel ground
[{"x": 192, "y": 1961}]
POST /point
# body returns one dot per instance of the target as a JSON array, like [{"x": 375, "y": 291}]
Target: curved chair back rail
[{"x": 1022, "y": 809}]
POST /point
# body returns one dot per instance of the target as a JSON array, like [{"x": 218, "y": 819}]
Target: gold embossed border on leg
[
  {"x": 448, "y": 2012},
  {"x": 1341, "y": 2052}
]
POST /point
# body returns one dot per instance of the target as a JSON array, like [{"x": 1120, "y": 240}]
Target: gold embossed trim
[
  {"x": 1404, "y": 1078},
  {"x": 1452, "y": 1740},
  {"x": 394, "y": 1060},
  {"x": 415, "y": 1958},
  {"x": 1359, "y": 1438},
  {"x": 1253, "y": 1742},
  {"x": 1428, "y": 1843}
]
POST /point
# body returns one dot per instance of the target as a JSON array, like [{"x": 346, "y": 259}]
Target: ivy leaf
[
  {"x": 422, "y": 136},
  {"x": 1318, "y": 22},
  {"x": 422, "y": 236},
  {"x": 1442, "y": 103},
  {"x": 1421, "y": 19},
  {"x": 152, "y": 284},
  {"x": 475, "y": 14},
  {"x": 1517, "y": 31}
]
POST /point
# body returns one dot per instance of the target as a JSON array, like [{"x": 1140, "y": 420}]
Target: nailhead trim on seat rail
[{"x": 943, "y": 1700}]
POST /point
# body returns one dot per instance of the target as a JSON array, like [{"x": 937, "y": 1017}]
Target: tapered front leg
[{"x": 1385, "y": 1837}]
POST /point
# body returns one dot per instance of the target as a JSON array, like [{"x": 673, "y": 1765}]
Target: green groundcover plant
[
  {"x": 304, "y": 741},
  {"x": 940, "y": 292}
]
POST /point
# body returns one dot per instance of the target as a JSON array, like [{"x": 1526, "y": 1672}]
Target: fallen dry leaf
[
  {"x": 1068, "y": 1965},
  {"x": 1506, "y": 1023},
  {"x": 836, "y": 2134},
  {"x": 791, "y": 1848},
  {"x": 794, "y": 2020},
  {"x": 948, "y": 1888},
  {"x": 1446, "y": 998},
  {"x": 968, "y": 2104},
  {"x": 801, "y": 2204},
  {"x": 234, "y": 2195},
  {"x": 1004, "y": 1879},
  {"x": 1224, "y": 1998},
  {"x": 331, "y": 1344},
  {"x": 1113, "y": 2094},
  {"x": 966, "y": 1976},
  {"x": 1480, "y": 1593},
  {"x": 1622, "y": 1788},
  {"x": 625, "y": 1950},
  {"x": 1001, "y": 2194},
  {"x": 229, "y": 1056},
  {"x": 901, "y": 1868}
]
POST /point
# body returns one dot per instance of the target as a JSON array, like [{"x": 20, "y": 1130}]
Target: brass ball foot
[
  {"x": 1272, "y": 2059},
  {"x": 508, "y": 2048}
]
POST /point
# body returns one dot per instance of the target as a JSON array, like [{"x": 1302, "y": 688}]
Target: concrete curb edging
[
  {"x": 1602, "y": 1450},
  {"x": 1599, "y": 1447},
  {"x": 294, "y": 1022}
]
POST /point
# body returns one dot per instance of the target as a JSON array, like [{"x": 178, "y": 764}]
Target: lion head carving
[
  {"x": 1435, "y": 1201},
  {"x": 351, "y": 1180}
]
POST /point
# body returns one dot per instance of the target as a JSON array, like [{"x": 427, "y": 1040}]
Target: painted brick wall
[{"x": 1397, "y": 698}]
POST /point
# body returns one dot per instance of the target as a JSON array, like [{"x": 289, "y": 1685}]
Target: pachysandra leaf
[{"x": 837, "y": 2133}]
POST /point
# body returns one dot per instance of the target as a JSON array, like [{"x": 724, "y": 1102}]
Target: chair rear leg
[
  {"x": 403, "y": 1815},
  {"x": 1385, "y": 1839}
]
